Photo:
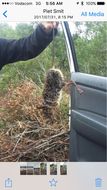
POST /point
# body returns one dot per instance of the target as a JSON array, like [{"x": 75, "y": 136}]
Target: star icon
[{"x": 53, "y": 183}]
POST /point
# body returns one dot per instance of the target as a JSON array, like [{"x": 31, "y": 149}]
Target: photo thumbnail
[{"x": 33, "y": 168}]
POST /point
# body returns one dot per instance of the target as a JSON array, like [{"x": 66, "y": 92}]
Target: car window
[{"x": 90, "y": 41}]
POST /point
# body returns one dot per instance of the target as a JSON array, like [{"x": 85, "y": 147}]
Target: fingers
[
  {"x": 48, "y": 26},
  {"x": 55, "y": 24}
]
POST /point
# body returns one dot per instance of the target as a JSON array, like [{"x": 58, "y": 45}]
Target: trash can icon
[
  {"x": 8, "y": 183},
  {"x": 98, "y": 182}
]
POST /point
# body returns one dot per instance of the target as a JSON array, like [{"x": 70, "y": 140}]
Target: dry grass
[{"x": 26, "y": 134}]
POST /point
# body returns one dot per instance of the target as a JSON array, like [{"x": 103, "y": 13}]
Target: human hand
[{"x": 48, "y": 26}]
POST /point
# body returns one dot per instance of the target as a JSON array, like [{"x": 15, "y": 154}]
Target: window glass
[{"x": 90, "y": 40}]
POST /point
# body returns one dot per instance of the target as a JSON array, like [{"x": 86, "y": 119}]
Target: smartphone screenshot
[{"x": 53, "y": 84}]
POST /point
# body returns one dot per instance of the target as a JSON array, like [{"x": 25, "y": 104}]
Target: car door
[{"x": 87, "y": 111}]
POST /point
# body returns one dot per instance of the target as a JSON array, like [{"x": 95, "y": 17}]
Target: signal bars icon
[{"x": 7, "y": 3}]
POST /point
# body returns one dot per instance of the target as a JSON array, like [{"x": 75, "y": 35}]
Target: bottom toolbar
[{"x": 53, "y": 176}]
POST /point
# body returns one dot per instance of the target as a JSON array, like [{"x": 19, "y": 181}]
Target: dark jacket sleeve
[{"x": 24, "y": 48}]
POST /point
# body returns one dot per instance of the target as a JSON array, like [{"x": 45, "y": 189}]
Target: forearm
[{"x": 25, "y": 48}]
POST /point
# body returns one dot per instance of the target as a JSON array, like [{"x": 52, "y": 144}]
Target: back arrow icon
[{"x": 4, "y": 14}]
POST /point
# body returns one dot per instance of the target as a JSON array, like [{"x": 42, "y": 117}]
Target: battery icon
[{"x": 100, "y": 3}]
